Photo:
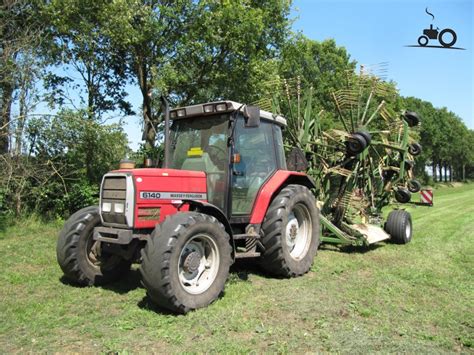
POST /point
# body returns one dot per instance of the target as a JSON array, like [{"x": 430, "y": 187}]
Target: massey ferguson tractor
[{"x": 224, "y": 193}]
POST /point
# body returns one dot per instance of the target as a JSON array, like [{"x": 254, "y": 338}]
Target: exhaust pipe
[{"x": 166, "y": 108}]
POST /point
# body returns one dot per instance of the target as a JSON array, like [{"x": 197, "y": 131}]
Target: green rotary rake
[{"x": 361, "y": 160}]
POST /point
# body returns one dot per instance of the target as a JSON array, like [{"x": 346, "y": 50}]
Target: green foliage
[
  {"x": 156, "y": 154},
  {"x": 322, "y": 65},
  {"x": 194, "y": 51},
  {"x": 70, "y": 138},
  {"x": 229, "y": 50},
  {"x": 77, "y": 41},
  {"x": 445, "y": 138},
  {"x": 67, "y": 156}
]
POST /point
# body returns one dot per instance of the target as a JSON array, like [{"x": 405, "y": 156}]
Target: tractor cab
[{"x": 237, "y": 146}]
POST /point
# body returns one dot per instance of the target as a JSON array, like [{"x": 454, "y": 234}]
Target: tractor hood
[{"x": 147, "y": 195}]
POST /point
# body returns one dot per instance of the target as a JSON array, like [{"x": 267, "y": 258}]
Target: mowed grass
[{"x": 389, "y": 298}]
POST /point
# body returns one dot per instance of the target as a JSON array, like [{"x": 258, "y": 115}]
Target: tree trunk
[
  {"x": 7, "y": 98},
  {"x": 149, "y": 133},
  {"x": 445, "y": 172},
  {"x": 90, "y": 93},
  {"x": 440, "y": 168},
  {"x": 433, "y": 167},
  {"x": 20, "y": 125}
]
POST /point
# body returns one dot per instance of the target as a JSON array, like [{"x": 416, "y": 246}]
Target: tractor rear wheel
[
  {"x": 291, "y": 232},
  {"x": 186, "y": 262},
  {"x": 399, "y": 226},
  {"x": 454, "y": 37},
  {"x": 80, "y": 257}
]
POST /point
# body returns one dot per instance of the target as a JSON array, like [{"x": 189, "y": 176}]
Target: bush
[{"x": 67, "y": 157}]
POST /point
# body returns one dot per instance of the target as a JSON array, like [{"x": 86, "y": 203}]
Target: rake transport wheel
[
  {"x": 80, "y": 257},
  {"x": 186, "y": 262},
  {"x": 402, "y": 195},
  {"x": 415, "y": 149},
  {"x": 399, "y": 226},
  {"x": 414, "y": 186},
  {"x": 291, "y": 232},
  {"x": 356, "y": 144},
  {"x": 411, "y": 118}
]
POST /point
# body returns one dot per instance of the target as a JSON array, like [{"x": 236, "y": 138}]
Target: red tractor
[{"x": 224, "y": 193}]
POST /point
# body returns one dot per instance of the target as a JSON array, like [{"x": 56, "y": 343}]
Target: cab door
[{"x": 258, "y": 161}]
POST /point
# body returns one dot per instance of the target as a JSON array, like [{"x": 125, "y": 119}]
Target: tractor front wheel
[
  {"x": 399, "y": 226},
  {"x": 291, "y": 232},
  {"x": 81, "y": 257},
  {"x": 423, "y": 41},
  {"x": 186, "y": 262}
]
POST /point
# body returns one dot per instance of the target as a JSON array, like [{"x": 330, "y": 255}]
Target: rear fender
[
  {"x": 272, "y": 187},
  {"x": 212, "y": 210}
]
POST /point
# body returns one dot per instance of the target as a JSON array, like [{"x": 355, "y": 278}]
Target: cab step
[{"x": 250, "y": 254}]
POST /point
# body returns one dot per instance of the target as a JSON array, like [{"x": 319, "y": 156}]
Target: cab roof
[{"x": 212, "y": 108}]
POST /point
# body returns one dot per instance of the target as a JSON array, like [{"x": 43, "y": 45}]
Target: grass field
[{"x": 388, "y": 298}]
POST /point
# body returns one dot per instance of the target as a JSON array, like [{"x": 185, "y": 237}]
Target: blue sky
[{"x": 377, "y": 31}]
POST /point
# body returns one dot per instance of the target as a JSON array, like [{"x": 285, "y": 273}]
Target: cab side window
[{"x": 257, "y": 162}]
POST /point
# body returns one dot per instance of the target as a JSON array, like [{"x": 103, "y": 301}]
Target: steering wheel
[
  {"x": 217, "y": 155},
  {"x": 259, "y": 167}
]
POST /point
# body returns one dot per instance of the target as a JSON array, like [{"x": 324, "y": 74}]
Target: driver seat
[
  {"x": 203, "y": 163},
  {"x": 199, "y": 163}
]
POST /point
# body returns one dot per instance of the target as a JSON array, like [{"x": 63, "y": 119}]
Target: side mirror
[
  {"x": 252, "y": 116},
  {"x": 296, "y": 160}
]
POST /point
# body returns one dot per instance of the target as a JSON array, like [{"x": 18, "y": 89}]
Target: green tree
[
  {"x": 21, "y": 33},
  {"x": 59, "y": 149},
  {"x": 197, "y": 50},
  {"x": 83, "y": 59},
  {"x": 445, "y": 140},
  {"x": 322, "y": 65}
]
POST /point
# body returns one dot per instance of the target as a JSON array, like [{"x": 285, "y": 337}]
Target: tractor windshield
[{"x": 200, "y": 144}]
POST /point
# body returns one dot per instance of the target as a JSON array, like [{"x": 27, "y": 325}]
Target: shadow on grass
[
  {"x": 129, "y": 282},
  {"x": 350, "y": 249},
  {"x": 147, "y": 304},
  {"x": 242, "y": 268}
]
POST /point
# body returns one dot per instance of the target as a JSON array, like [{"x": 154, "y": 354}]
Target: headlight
[
  {"x": 221, "y": 107},
  {"x": 106, "y": 207},
  {"x": 208, "y": 108},
  {"x": 118, "y": 207}
]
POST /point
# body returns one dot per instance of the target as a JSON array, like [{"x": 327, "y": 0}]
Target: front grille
[{"x": 114, "y": 194}]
